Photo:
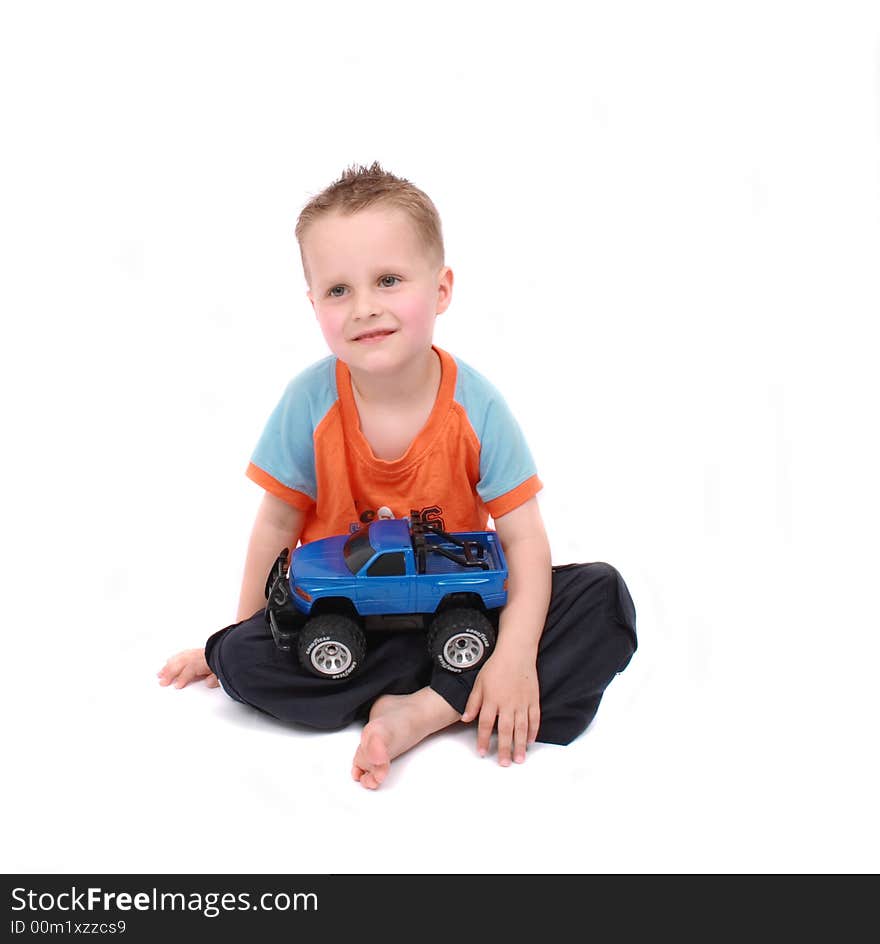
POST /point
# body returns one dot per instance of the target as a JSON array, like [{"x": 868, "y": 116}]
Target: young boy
[{"x": 391, "y": 424}]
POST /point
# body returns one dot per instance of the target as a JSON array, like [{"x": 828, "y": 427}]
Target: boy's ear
[{"x": 444, "y": 289}]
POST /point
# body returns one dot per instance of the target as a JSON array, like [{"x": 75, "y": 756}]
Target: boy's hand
[
  {"x": 507, "y": 689},
  {"x": 186, "y": 667}
]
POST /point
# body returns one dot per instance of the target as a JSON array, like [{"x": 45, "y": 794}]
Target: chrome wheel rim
[
  {"x": 331, "y": 658},
  {"x": 463, "y": 650}
]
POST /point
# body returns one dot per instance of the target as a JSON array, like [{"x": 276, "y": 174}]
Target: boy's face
[{"x": 375, "y": 288}]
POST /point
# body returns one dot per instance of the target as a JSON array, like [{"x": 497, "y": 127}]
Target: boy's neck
[{"x": 415, "y": 382}]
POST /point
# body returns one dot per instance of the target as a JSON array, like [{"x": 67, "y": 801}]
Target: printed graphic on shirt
[{"x": 431, "y": 515}]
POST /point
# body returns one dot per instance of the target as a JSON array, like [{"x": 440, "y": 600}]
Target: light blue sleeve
[
  {"x": 505, "y": 460},
  {"x": 286, "y": 448}
]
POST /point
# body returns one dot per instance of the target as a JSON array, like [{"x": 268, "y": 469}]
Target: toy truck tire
[
  {"x": 460, "y": 639},
  {"x": 331, "y": 646}
]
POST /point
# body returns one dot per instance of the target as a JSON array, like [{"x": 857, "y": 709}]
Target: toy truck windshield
[{"x": 358, "y": 550}]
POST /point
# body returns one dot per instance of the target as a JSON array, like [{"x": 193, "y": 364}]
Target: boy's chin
[{"x": 387, "y": 357}]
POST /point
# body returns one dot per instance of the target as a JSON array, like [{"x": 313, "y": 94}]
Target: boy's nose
[{"x": 364, "y": 305}]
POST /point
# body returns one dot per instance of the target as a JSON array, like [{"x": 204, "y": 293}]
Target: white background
[{"x": 664, "y": 223}]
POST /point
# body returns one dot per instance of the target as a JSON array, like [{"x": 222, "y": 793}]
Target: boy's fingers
[
  {"x": 473, "y": 703},
  {"x": 520, "y": 736},
  {"x": 169, "y": 672},
  {"x": 534, "y": 723},
  {"x": 175, "y": 666},
  {"x": 505, "y": 736},
  {"x": 484, "y": 729},
  {"x": 184, "y": 678},
  {"x": 213, "y": 681}
]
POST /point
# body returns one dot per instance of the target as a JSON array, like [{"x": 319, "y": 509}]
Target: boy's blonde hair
[{"x": 360, "y": 187}]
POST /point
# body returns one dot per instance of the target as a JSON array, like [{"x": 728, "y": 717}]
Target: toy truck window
[
  {"x": 357, "y": 550},
  {"x": 392, "y": 564}
]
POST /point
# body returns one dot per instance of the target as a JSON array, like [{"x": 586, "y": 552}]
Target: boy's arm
[
  {"x": 277, "y": 525},
  {"x": 507, "y": 686}
]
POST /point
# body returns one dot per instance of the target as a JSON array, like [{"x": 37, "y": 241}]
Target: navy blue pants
[{"x": 588, "y": 638}]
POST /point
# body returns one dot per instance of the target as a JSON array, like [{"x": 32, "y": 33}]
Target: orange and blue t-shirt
[{"x": 469, "y": 461}]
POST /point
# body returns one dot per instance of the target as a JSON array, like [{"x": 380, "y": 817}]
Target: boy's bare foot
[{"x": 397, "y": 723}]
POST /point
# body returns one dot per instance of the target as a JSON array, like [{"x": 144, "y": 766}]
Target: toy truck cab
[{"x": 392, "y": 574}]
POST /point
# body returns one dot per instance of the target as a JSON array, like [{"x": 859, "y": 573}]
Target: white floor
[
  {"x": 665, "y": 238},
  {"x": 725, "y": 753}
]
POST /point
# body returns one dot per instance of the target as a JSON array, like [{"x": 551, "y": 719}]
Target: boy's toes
[
  {"x": 372, "y": 760},
  {"x": 377, "y": 752}
]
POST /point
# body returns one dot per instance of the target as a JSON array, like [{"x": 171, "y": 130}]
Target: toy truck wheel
[
  {"x": 331, "y": 646},
  {"x": 460, "y": 639}
]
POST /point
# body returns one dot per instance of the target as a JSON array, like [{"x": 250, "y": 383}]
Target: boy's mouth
[{"x": 376, "y": 335}]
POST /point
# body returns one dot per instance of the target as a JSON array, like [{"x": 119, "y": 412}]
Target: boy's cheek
[
  {"x": 415, "y": 310},
  {"x": 331, "y": 327}
]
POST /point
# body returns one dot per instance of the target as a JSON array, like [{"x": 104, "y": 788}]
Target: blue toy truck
[{"x": 392, "y": 574}]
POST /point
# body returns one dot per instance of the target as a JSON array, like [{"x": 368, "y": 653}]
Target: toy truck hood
[{"x": 319, "y": 560}]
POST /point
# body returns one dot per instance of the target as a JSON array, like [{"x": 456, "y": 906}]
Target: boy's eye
[
  {"x": 389, "y": 281},
  {"x": 336, "y": 291}
]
